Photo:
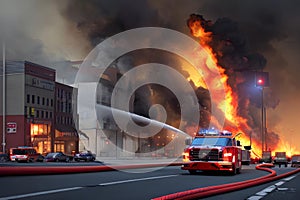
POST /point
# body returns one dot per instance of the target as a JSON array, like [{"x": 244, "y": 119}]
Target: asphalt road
[{"x": 124, "y": 185}]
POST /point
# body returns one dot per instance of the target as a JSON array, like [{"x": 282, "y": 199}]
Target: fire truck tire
[{"x": 192, "y": 171}]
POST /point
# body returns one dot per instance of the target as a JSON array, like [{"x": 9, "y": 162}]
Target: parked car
[
  {"x": 295, "y": 161},
  {"x": 4, "y": 157},
  {"x": 25, "y": 154},
  {"x": 85, "y": 156},
  {"x": 58, "y": 157}
]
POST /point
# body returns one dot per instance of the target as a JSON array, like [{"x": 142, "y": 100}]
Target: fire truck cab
[{"x": 213, "y": 150}]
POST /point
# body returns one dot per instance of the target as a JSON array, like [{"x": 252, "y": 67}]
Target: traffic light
[{"x": 262, "y": 79}]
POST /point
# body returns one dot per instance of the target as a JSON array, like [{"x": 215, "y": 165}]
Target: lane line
[
  {"x": 279, "y": 183},
  {"x": 269, "y": 189},
  {"x": 40, "y": 193},
  {"x": 255, "y": 198},
  {"x": 289, "y": 178},
  {"x": 77, "y": 188},
  {"x": 135, "y": 180}
]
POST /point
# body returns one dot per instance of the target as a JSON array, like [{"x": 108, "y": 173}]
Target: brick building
[{"x": 30, "y": 107}]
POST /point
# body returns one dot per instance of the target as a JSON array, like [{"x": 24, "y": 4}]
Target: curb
[{"x": 20, "y": 171}]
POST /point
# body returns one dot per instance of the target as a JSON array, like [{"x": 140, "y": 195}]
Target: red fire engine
[{"x": 213, "y": 150}]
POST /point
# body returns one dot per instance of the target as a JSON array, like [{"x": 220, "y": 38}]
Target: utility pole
[
  {"x": 262, "y": 81},
  {"x": 3, "y": 98}
]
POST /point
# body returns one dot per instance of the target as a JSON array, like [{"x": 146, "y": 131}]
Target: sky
[{"x": 48, "y": 32}]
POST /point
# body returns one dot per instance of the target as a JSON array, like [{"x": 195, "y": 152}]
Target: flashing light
[
  {"x": 24, "y": 147},
  {"x": 214, "y": 132},
  {"x": 226, "y": 133},
  {"x": 262, "y": 79}
]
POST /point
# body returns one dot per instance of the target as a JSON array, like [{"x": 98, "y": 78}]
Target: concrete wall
[{"x": 15, "y": 90}]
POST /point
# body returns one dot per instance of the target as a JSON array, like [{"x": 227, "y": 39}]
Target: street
[{"x": 124, "y": 185}]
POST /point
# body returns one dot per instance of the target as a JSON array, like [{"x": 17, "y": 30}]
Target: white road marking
[
  {"x": 77, "y": 188},
  {"x": 289, "y": 178},
  {"x": 279, "y": 183},
  {"x": 282, "y": 189},
  {"x": 40, "y": 193},
  {"x": 135, "y": 180},
  {"x": 269, "y": 189},
  {"x": 255, "y": 198}
]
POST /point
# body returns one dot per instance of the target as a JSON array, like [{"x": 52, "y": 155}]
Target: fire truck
[{"x": 213, "y": 150}]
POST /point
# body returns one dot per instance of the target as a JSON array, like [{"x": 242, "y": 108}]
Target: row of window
[
  {"x": 62, "y": 106},
  {"x": 39, "y": 100},
  {"x": 43, "y": 114},
  {"x": 64, "y": 120},
  {"x": 63, "y": 94}
]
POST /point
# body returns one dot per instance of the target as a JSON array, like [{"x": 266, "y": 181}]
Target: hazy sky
[{"x": 51, "y": 31}]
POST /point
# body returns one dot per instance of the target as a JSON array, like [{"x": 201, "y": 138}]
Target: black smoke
[
  {"x": 232, "y": 50},
  {"x": 244, "y": 32}
]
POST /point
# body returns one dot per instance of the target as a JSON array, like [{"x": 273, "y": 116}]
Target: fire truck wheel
[
  {"x": 192, "y": 171},
  {"x": 234, "y": 171}
]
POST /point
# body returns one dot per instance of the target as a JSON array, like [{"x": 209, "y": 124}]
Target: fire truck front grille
[{"x": 204, "y": 154}]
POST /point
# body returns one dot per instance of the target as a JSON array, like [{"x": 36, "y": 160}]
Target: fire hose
[{"x": 220, "y": 189}]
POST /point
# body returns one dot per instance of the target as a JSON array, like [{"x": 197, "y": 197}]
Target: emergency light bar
[{"x": 213, "y": 132}]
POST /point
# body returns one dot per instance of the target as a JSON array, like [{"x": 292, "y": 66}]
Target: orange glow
[
  {"x": 228, "y": 106},
  {"x": 285, "y": 147}
]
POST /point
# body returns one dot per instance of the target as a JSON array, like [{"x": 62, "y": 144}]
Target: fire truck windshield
[{"x": 212, "y": 141}]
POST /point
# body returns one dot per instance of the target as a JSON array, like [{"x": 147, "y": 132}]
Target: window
[
  {"x": 32, "y": 99},
  {"x": 70, "y": 107},
  {"x": 37, "y": 114},
  {"x": 43, "y": 101},
  {"x": 50, "y": 114},
  {"x": 51, "y": 103},
  {"x": 58, "y": 92},
  {"x": 57, "y": 105},
  {"x": 38, "y": 99},
  {"x": 42, "y": 113},
  {"x": 47, "y": 102},
  {"x": 46, "y": 114}
]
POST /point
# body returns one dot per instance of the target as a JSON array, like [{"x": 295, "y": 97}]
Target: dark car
[
  {"x": 295, "y": 161},
  {"x": 57, "y": 157},
  {"x": 4, "y": 157},
  {"x": 85, "y": 156}
]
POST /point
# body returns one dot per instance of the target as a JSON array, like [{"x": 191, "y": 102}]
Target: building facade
[
  {"x": 65, "y": 136},
  {"x": 30, "y": 107}
]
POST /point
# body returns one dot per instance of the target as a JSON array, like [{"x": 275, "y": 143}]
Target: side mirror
[
  {"x": 188, "y": 141},
  {"x": 247, "y": 147}
]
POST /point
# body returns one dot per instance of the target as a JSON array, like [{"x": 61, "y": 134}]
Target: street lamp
[{"x": 262, "y": 81}]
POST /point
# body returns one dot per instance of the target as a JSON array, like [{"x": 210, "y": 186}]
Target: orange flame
[{"x": 228, "y": 106}]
